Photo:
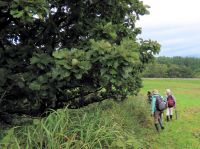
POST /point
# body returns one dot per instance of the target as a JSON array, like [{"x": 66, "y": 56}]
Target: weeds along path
[{"x": 183, "y": 133}]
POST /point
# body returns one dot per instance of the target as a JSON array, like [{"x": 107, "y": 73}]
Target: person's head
[
  {"x": 148, "y": 92},
  {"x": 168, "y": 92},
  {"x": 155, "y": 91}
]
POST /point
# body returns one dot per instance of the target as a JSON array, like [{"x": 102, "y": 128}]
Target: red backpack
[{"x": 170, "y": 101}]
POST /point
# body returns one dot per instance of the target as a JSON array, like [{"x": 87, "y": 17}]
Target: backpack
[
  {"x": 160, "y": 103},
  {"x": 170, "y": 101}
]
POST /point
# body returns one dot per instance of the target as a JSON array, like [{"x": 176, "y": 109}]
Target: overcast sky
[{"x": 175, "y": 24}]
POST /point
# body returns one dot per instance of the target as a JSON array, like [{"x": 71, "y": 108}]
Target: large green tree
[{"x": 69, "y": 53}]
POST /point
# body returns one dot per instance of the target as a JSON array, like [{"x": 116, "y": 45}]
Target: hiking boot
[
  {"x": 171, "y": 117},
  {"x": 167, "y": 118},
  {"x": 162, "y": 127},
  {"x": 157, "y": 127},
  {"x": 161, "y": 124}
]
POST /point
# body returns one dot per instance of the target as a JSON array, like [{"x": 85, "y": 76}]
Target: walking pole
[{"x": 176, "y": 112}]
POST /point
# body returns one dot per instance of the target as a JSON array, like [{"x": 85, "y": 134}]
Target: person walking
[
  {"x": 171, "y": 102},
  {"x": 157, "y": 105}
]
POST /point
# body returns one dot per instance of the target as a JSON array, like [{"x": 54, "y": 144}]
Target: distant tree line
[{"x": 173, "y": 67}]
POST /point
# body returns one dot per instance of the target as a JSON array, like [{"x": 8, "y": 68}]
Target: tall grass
[{"x": 103, "y": 125}]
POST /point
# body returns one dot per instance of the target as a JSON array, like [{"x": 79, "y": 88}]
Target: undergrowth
[{"x": 103, "y": 125}]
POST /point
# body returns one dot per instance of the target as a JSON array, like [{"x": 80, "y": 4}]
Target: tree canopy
[
  {"x": 69, "y": 53},
  {"x": 173, "y": 67}
]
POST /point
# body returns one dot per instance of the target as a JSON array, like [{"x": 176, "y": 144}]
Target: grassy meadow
[
  {"x": 123, "y": 125},
  {"x": 183, "y": 133}
]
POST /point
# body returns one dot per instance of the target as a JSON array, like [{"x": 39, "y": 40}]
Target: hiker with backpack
[
  {"x": 158, "y": 106},
  {"x": 171, "y": 103}
]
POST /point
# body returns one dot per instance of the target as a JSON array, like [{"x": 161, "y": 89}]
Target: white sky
[{"x": 175, "y": 24}]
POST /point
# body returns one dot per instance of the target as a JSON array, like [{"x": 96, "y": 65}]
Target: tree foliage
[
  {"x": 58, "y": 53},
  {"x": 191, "y": 62},
  {"x": 156, "y": 70},
  {"x": 173, "y": 67}
]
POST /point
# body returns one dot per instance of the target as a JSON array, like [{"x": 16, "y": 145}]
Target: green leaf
[
  {"x": 113, "y": 71},
  {"x": 116, "y": 64},
  {"x": 67, "y": 66},
  {"x": 35, "y": 60},
  {"x": 61, "y": 62},
  {"x": 64, "y": 63},
  {"x": 85, "y": 65},
  {"x": 17, "y": 14},
  {"x": 66, "y": 74},
  {"x": 35, "y": 85},
  {"x": 55, "y": 72},
  {"x": 103, "y": 71},
  {"x": 43, "y": 79},
  {"x": 78, "y": 76},
  {"x": 62, "y": 53},
  {"x": 113, "y": 35},
  {"x": 113, "y": 80}
]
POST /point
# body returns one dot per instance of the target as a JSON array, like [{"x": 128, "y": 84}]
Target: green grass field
[{"x": 183, "y": 133}]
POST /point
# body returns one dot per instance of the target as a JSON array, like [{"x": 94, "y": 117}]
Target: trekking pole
[{"x": 176, "y": 112}]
